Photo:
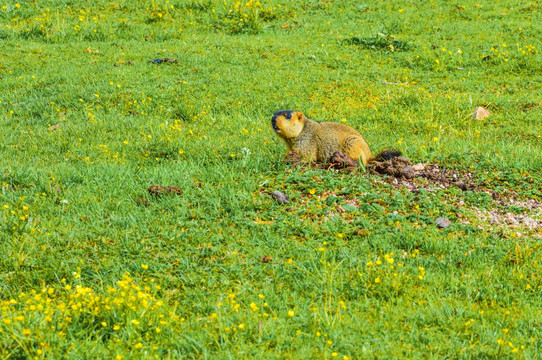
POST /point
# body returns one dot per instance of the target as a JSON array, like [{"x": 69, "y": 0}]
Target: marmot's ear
[{"x": 300, "y": 115}]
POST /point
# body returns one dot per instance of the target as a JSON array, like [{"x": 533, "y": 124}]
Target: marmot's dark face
[{"x": 288, "y": 124}]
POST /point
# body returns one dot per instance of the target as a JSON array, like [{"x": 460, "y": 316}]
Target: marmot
[{"x": 318, "y": 141}]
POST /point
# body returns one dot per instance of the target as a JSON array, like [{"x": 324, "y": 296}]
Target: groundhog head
[{"x": 288, "y": 123}]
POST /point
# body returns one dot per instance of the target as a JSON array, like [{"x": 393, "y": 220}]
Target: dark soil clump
[
  {"x": 266, "y": 259},
  {"x": 343, "y": 161}
]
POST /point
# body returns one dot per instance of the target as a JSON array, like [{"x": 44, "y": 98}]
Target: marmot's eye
[{"x": 289, "y": 116}]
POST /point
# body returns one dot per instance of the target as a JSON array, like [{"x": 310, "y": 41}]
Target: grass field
[{"x": 93, "y": 266}]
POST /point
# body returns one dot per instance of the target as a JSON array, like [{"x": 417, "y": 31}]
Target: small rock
[
  {"x": 480, "y": 113},
  {"x": 418, "y": 167},
  {"x": 443, "y": 222},
  {"x": 461, "y": 184},
  {"x": 280, "y": 197}
]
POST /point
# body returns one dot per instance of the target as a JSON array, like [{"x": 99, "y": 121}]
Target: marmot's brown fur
[{"x": 318, "y": 141}]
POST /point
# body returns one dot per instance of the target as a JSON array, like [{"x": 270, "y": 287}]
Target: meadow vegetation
[{"x": 93, "y": 266}]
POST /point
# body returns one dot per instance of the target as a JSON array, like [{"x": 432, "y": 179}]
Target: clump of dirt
[
  {"x": 266, "y": 259},
  {"x": 342, "y": 161},
  {"x": 398, "y": 167},
  {"x": 159, "y": 190}
]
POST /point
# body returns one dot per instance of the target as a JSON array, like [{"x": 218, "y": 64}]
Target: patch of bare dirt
[
  {"x": 530, "y": 218},
  {"x": 399, "y": 170},
  {"x": 530, "y": 215},
  {"x": 530, "y": 204},
  {"x": 532, "y": 221},
  {"x": 343, "y": 161},
  {"x": 510, "y": 212},
  {"x": 402, "y": 171}
]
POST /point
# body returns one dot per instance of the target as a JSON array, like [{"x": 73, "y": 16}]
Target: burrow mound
[
  {"x": 402, "y": 171},
  {"x": 399, "y": 171}
]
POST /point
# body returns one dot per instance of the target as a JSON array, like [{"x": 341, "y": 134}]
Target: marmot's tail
[{"x": 386, "y": 154}]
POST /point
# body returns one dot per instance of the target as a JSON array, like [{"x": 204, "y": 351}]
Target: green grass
[{"x": 86, "y": 270}]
